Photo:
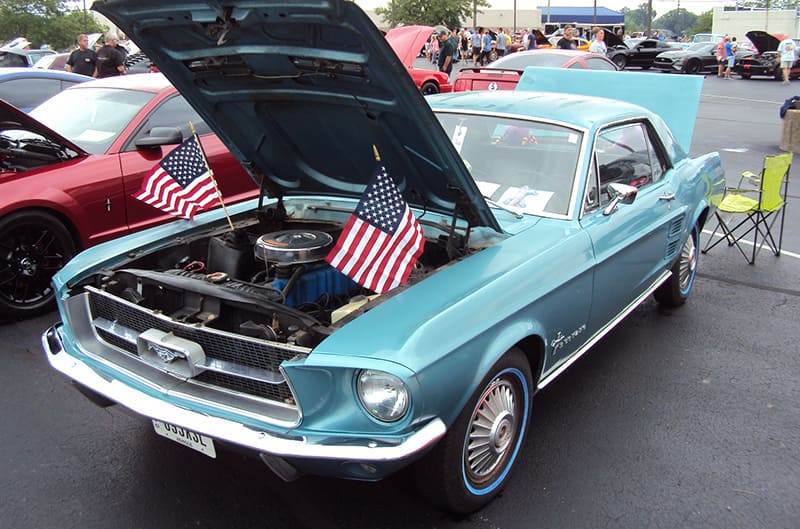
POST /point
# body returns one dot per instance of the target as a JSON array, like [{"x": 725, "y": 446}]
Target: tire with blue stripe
[
  {"x": 471, "y": 464},
  {"x": 675, "y": 291}
]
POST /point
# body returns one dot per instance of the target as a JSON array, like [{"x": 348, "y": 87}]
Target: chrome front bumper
[{"x": 332, "y": 449}]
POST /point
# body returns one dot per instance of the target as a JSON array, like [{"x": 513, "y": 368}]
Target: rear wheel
[
  {"x": 428, "y": 88},
  {"x": 745, "y": 76},
  {"x": 34, "y": 245},
  {"x": 676, "y": 290},
  {"x": 470, "y": 465}
]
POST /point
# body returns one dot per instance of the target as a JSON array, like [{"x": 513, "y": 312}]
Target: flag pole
[
  {"x": 211, "y": 174},
  {"x": 377, "y": 154}
]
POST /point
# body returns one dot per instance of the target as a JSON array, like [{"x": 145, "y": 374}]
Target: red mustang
[
  {"x": 68, "y": 170},
  {"x": 406, "y": 42}
]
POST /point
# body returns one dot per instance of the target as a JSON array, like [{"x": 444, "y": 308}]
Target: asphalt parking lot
[{"x": 678, "y": 418}]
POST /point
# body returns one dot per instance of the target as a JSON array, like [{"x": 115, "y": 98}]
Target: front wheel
[
  {"x": 620, "y": 61},
  {"x": 693, "y": 67},
  {"x": 34, "y": 245},
  {"x": 428, "y": 88},
  {"x": 470, "y": 465},
  {"x": 675, "y": 291}
]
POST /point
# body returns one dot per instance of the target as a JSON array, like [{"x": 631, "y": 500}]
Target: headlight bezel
[{"x": 369, "y": 383}]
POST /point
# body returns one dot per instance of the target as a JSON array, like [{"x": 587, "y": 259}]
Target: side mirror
[
  {"x": 619, "y": 194},
  {"x": 159, "y": 136}
]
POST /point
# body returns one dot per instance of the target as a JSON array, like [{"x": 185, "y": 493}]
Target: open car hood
[
  {"x": 612, "y": 40},
  {"x": 763, "y": 41},
  {"x": 300, "y": 92},
  {"x": 12, "y": 118},
  {"x": 406, "y": 41}
]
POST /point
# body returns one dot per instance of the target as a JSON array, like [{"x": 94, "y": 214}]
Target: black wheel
[
  {"x": 493, "y": 55},
  {"x": 745, "y": 76},
  {"x": 471, "y": 464},
  {"x": 677, "y": 288},
  {"x": 428, "y": 88},
  {"x": 33, "y": 247},
  {"x": 693, "y": 67},
  {"x": 646, "y": 66},
  {"x": 620, "y": 61}
]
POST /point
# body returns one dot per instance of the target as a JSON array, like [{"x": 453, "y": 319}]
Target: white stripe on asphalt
[{"x": 783, "y": 252}]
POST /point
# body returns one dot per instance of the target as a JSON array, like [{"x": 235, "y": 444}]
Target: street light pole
[{"x": 85, "y": 21}]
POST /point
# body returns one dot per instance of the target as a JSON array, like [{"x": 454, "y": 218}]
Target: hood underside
[
  {"x": 300, "y": 92},
  {"x": 763, "y": 41},
  {"x": 406, "y": 41}
]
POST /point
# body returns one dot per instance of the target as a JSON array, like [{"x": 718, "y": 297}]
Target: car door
[
  {"x": 138, "y": 163},
  {"x": 644, "y": 54},
  {"x": 634, "y": 244}
]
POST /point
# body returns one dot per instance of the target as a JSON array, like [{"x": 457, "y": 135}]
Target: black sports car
[
  {"x": 697, "y": 58},
  {"x": 767, "y": 61},
  {"x": 642, "y": 54}
]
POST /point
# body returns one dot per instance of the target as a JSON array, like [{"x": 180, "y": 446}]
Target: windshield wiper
[{"x": 497, "y": 205}]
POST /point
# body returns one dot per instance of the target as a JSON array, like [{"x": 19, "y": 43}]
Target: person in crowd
[
  {"x": 446, "y": 50},
  {"x": 598, "y": 43},
  {"x": 568, "y": 42},
  {"x": 109, "y": 60},
  {"x": 464, "y": 44},
  {"x": 433, "y": 49},
  {"x": 486, "y": 48},
  {"x": 730, "y": 54},
  {"x": 722, "y": 58},
  {"x": 788, "y": 52},
  {"x": 501, "y": 42},
  {"x": 83, "y": 60},
  {"x": 476, "y": 45}
]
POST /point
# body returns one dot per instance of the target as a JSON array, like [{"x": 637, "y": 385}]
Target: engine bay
[{"x": 274, "y": 286}]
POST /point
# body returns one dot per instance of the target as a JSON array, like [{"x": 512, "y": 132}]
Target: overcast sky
[{"x": 695, "y": 6}]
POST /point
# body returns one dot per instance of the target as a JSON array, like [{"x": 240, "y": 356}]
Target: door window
[{"x": 174, "y": 112}]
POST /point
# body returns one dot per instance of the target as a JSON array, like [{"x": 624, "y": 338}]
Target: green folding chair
[{"x": 762, "y": 204}]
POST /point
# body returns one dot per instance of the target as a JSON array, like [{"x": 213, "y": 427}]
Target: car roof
[
  {"x": 149, "y": 82},
  {"x": 12, "y": 72},
  {"x": 573, "y": 110}
]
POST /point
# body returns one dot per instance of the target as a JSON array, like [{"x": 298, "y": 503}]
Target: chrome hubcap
[
  {"x": 688, "y": 262},
  {"x": 493, "y": 431}
]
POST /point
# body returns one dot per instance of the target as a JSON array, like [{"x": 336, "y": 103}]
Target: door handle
[{"x": 667, "y": 196}]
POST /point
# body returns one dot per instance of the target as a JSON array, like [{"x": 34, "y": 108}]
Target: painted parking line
[
  {"x": 733, "y": 98},
  {"x": 749, "y": 243}
]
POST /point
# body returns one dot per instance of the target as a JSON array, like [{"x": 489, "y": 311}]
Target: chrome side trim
[
  {"x": 605, "y": 330},
  {"x": 375, "y": 450}
]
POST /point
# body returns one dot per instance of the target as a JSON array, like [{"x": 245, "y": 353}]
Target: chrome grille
[{"x": 243, "y": 354}]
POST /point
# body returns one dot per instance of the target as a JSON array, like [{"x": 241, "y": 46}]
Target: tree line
[{"x": 45, "y": 23}]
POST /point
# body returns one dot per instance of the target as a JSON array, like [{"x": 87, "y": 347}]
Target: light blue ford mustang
[{"x": 547, "y": 218}]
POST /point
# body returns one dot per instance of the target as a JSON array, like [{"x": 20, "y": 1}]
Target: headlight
[{"x": 384, "y": 396}]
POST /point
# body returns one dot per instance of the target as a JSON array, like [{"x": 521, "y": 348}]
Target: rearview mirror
[
  {"x": 619, "y": 194},
  {"x": 159, "y": 136}
]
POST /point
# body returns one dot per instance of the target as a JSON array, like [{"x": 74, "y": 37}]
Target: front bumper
[{"x": 383, "y": 455}]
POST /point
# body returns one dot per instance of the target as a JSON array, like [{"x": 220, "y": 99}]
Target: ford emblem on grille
[{"x": 170, "y": 353}]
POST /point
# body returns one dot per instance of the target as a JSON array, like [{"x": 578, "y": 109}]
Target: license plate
[{"x": 193, "y": 440}]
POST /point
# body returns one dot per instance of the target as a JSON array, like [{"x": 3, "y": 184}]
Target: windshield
[
  {"x": 92, "y": 118},
  {"x": 702, "y": 46},
  {"x": 525, "y": 166}
]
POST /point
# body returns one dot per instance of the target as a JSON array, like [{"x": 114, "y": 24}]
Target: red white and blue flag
[
  {"x": 181, "y": 184},
  {"x": 381, "y": 241}
]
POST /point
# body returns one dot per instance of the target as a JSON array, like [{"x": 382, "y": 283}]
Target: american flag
[
  {"x": 381, "y": 241},
  {"x": 181, "y": 184}
]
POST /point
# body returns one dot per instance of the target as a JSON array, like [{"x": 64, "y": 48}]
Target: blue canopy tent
[{"x": 581, "y": 15}]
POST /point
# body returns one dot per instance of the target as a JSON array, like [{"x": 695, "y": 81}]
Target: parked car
[
  {"x": 767, "y": 60},
  {"x": 707, "y": 37},
  {"x": 697, "y": 58},
  {"x": 405, "y": 41},
  {"x": 575, "y": 209},
  {"x": 68, "y": 170},
  {"x": 641, "y": 54},
  {"x": 52, "y": 61},
  {"x": 24, "y": 58},
  {"x": 504, "y": 73},
  {"x": 26, "y": 88}
]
